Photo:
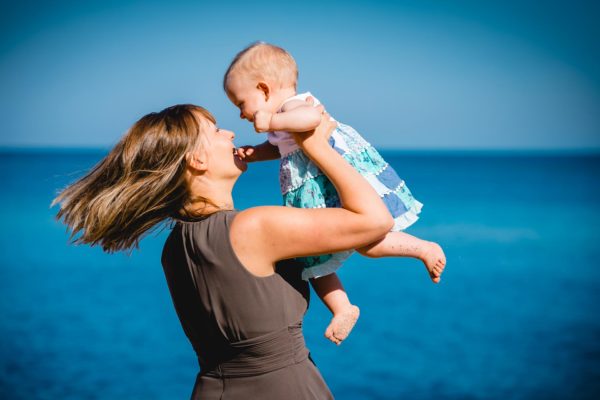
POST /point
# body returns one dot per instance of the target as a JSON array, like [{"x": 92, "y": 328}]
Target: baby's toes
[{"x": 330, "y": 336}]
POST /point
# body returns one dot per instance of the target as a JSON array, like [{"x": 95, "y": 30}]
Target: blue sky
[{"x": 407, "y": 75}]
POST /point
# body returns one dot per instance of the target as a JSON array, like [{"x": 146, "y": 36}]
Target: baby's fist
[
  {"x": 245, "y": 152},
  {"x": 262, "y": 121}
]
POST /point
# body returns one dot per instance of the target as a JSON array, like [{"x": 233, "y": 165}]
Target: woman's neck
[
  {"x": 206, "y": 207},
  {"x": 211, "y": 200}
]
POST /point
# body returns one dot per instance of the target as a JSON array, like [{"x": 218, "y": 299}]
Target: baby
[{"x": 261, "y": 82}]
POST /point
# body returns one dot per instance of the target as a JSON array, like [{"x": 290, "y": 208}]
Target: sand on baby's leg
[
  {"x": 400, "y": 244},
  {"x": 329, "y": 288}
]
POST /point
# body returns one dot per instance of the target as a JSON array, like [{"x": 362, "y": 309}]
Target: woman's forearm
[
  {"x": 355, "y": 192},
  {"x": 285, "y": 232}
]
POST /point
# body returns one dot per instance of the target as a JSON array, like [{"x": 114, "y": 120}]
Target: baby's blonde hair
[{"x": 263, "y": 61}]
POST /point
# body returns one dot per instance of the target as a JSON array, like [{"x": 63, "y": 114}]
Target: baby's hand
[
  {"x": 262, "y": 121},
  {"x": 245, "y": 152}
]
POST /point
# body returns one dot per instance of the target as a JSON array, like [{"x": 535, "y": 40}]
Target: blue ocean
[{"x": 516, "y": 316}]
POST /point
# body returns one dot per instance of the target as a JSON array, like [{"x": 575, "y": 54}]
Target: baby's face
[{"x": 245, "y": 95}]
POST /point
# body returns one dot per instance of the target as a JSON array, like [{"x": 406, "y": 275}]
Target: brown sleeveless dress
[{"x": 246, "y": 330}]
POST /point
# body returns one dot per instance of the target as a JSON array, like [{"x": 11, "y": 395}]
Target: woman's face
[{"x": 221, "y": 152}]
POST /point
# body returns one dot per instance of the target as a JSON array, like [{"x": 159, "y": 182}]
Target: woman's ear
[
  {"x": 264, "y": 87},
  {"x": 197, "y": 160}
]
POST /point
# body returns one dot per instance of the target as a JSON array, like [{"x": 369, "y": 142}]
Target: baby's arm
[
  {"x": 295, "y": 116},
  {"x": 262, "y": 152}
]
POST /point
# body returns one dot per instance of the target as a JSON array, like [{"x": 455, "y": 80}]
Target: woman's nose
[
  {"x": 242, "y": 115},
  {"x": 228, "y": 134}
]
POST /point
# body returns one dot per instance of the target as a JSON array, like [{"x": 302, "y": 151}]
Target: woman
[{"x": 242, "y": 315}]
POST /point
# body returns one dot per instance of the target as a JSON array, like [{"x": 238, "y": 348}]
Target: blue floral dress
[{"x": 304, "y": 185}]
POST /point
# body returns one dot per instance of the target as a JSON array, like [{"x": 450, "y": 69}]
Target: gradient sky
[{"x": 408, "y": 75}]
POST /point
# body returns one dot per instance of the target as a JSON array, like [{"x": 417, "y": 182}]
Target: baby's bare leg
[
  {"x": 332, "y": 293},
  {"x": 400, "y": 244}
]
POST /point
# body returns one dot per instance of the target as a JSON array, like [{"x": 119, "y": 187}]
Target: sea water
[{"x": 516, "y": 315}]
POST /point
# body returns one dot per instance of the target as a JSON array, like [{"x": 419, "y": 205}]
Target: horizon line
[{"x": 431, "y": 150}]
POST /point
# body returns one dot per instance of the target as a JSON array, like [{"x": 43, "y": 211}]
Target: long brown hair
[{"x": 138, "y": 185}]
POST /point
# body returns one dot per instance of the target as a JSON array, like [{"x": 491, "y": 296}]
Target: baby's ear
[{"x": 264, "y": 87}]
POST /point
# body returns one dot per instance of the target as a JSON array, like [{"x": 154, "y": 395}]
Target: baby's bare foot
[
  {"x": 434, "y": 259},
  {"x": 341, "y": 324}
]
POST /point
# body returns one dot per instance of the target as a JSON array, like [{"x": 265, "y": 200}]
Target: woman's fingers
[
  {"x": 321, "y": 132},
  {"x": 329, "y": 125}
]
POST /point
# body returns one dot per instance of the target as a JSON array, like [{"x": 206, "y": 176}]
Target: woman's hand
[{"x": 306, "y": 140}]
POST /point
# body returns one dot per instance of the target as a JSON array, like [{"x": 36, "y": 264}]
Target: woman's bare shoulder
[{"x": 249, "y": 239}]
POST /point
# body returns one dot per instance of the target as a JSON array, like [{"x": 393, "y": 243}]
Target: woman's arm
[{"x": 261, "y": 236}]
